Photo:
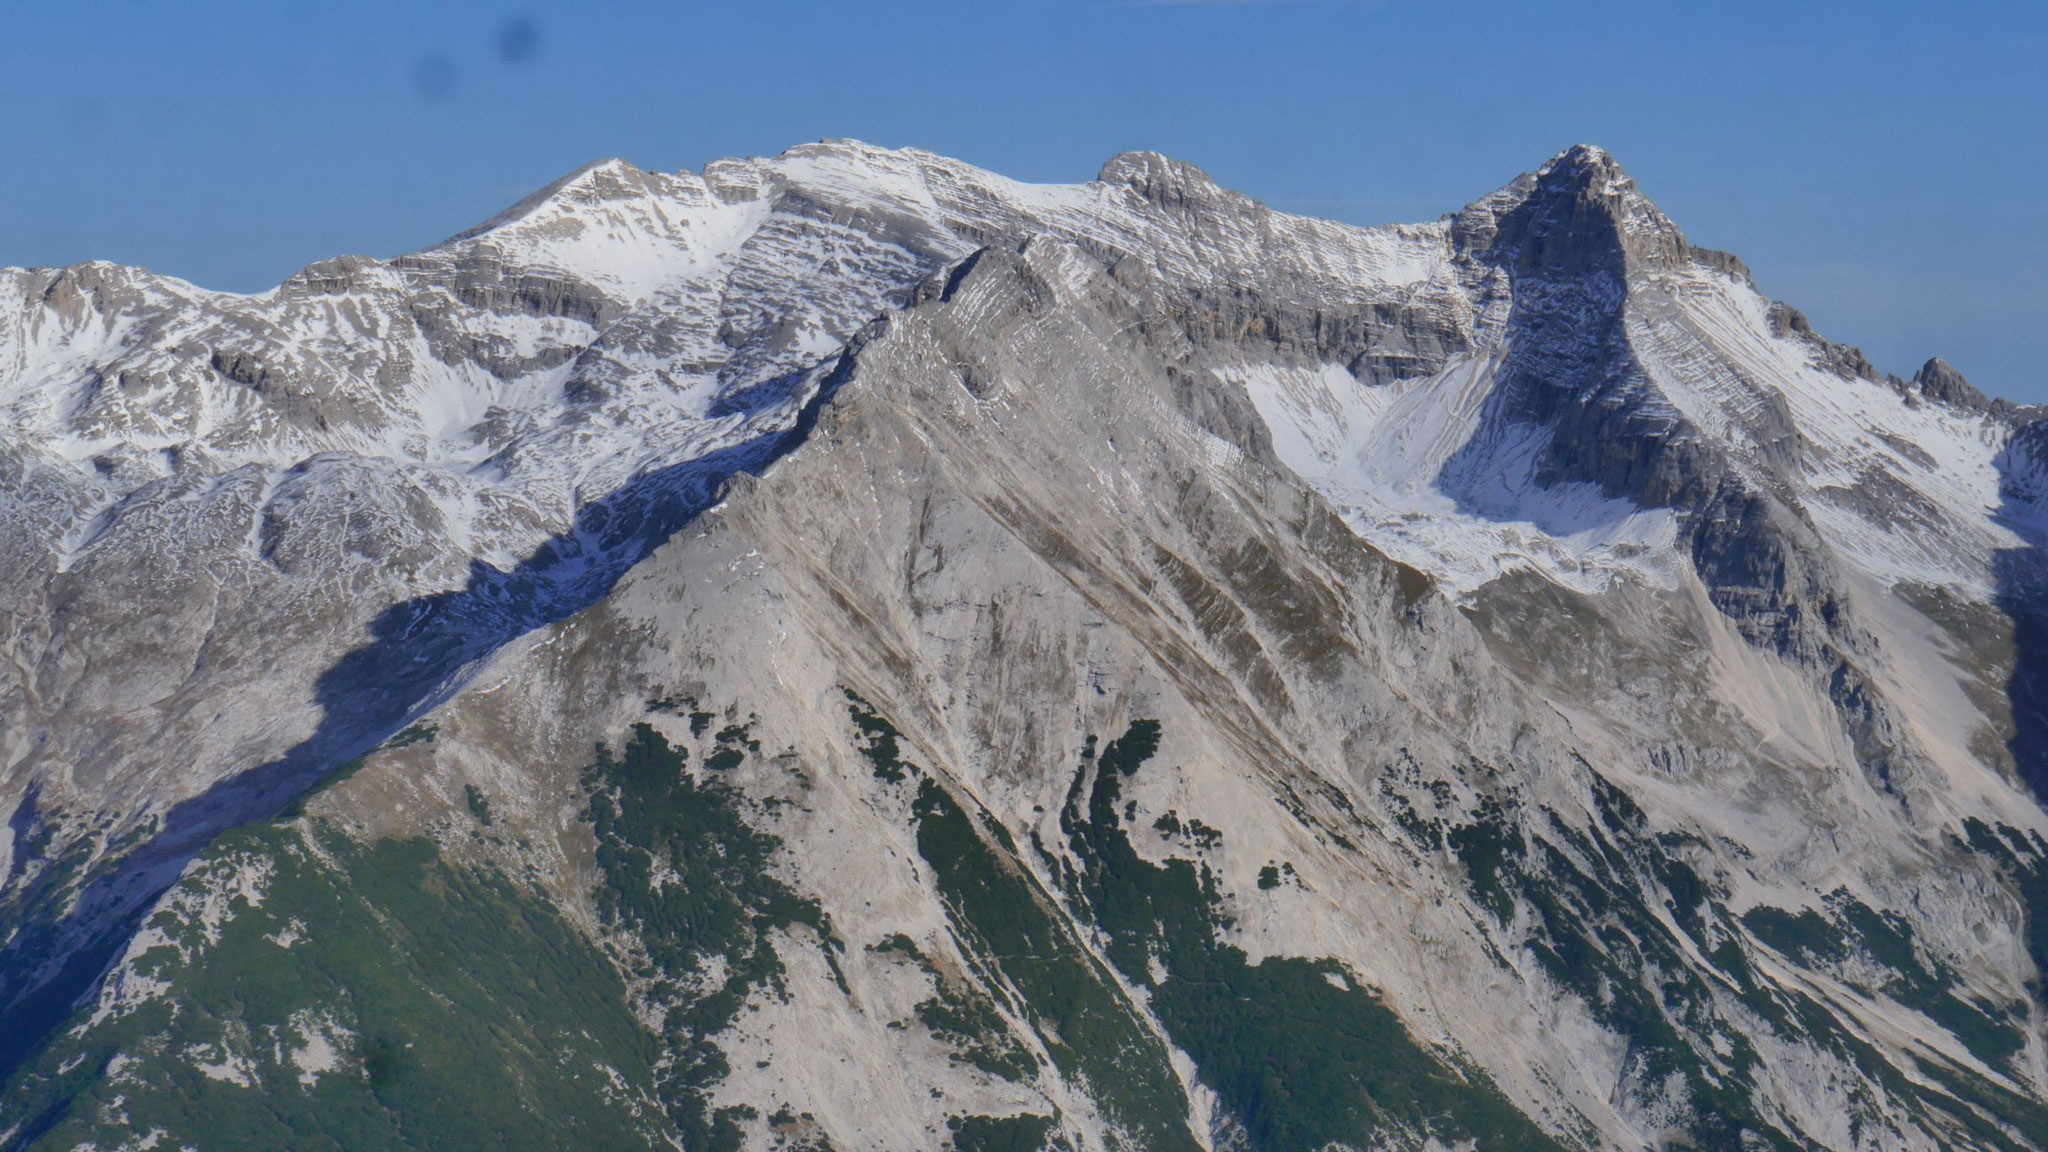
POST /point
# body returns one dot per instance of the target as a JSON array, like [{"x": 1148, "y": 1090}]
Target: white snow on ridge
[
  {"x": 1905, "y": 491},
  {"x": 708, "y": 286},
  {"x": 712, "y": 285},
  {"x": 637, "y": 235}
]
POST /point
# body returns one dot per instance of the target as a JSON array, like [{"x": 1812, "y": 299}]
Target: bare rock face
[
  {"x": 1939, "y": 382},
  {"x": 847, "y": 650}
]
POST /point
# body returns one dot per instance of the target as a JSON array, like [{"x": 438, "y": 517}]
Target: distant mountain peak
[
  {"x": 1161, "y": 179},
  {"x": 1582, "y": 164},
  {"x": 1579, "y": 211},
  {"x": 598, "y": 181}
]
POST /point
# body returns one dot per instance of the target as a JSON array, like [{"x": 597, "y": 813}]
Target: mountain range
[{"x": 852, "y": 651}]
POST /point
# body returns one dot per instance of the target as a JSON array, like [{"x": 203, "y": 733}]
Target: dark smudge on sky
[{"x": 518, "y": 41}]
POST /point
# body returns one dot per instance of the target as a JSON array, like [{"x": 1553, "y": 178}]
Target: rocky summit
[{"x": 850, "y": 651}]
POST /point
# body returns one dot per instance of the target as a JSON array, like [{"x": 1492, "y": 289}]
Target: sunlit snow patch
[{"x": 1379, "y": 453}]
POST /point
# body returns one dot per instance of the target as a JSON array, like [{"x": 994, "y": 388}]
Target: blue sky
[{"x": 1879, "y": 165}]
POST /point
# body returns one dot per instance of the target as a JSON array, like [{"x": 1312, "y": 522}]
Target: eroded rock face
[{"x": 891, "y": 657}]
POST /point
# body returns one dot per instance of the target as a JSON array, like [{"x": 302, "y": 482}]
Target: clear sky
[{"x": 1879, "y": 165}]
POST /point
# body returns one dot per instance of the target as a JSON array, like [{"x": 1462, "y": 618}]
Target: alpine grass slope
[{"x": 851, "y": 651}]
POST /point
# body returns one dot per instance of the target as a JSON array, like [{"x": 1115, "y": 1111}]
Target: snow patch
[{"x": 1415, "y": 470}]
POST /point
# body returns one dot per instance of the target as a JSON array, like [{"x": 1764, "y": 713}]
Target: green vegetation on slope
[
  {"x": 1091, "y": 1030},
  {"x": 374, "y": 997},
  {"x": 1300, "y": 1056},
  {"x": 336, "y": 994},
  {"x": 689, "y": 880},
  {"x": 960, "y": 1015},
  {"x": 1024, "y": 948},
  {"x": 1993, "y": 1033},
  {"x": 1587, "y": 901},
  {"x": 1587, "y": 893},
  {"x": 1025, "y": 1133}
]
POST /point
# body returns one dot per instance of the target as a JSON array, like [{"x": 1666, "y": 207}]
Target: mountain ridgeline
[{"x": 850, "y": 651}]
